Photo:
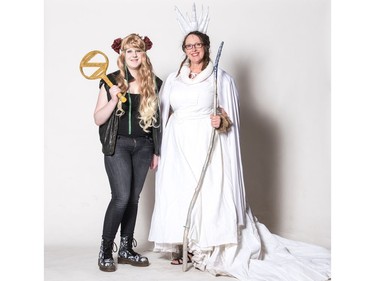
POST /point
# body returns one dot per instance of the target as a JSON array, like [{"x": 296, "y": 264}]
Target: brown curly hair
[{"x": 205, "y": 39}]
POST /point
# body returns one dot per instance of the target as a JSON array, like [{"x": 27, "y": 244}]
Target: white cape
[{"x": 224, "y": 236}]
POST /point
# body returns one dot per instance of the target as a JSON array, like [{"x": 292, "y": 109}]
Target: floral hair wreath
[{"x": 116, "y": 45}]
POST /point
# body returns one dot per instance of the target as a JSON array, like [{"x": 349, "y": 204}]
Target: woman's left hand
[
  {"x": 154, "y": 162},
  {"x": 215, "y": 121}
]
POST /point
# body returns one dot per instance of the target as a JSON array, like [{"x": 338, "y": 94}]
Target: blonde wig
[{"x": 146, "y": 77}]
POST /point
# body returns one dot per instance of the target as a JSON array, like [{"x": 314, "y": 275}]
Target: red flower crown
[{"x": 116, "y": 45}]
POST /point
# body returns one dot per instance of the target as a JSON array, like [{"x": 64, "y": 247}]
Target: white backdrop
[{"x": 278, "y": 51}]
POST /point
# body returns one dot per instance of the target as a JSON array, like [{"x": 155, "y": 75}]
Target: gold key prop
[{"x": 100, "y": 73}]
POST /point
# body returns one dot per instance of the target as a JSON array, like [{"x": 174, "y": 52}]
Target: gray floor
[{"x": 80, "y": 264}]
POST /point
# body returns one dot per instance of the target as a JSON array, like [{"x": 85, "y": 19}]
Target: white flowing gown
[{"x": 224, "y": 236}]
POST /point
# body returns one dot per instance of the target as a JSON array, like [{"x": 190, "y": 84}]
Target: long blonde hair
[{"x": 149, "y": 100}]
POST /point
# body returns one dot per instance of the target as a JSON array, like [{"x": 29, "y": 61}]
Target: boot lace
[
  {"x": 114, "y": 245},
  {"x": 134, "y": 243}
]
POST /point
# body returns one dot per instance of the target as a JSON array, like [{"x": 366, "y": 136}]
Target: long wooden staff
[{"x": 204, "y": 169}]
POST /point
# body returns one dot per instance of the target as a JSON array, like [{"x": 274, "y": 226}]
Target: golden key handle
[{"x": 100, "y": 73}]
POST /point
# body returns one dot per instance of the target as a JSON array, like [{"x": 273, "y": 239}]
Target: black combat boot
[
  {"x": 126, "y": 255},
  {"x": 105, "y": 260}
]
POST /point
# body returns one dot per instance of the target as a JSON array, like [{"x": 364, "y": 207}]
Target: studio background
[{"x": 279, "y": 55}]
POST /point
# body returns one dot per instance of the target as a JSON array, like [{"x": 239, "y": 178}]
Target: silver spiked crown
[{"x": 194, "y": 23}]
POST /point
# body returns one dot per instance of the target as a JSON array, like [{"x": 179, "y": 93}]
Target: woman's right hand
[
  {"x": 104, "y": 108},
  {"x": 114, "y": 90}
]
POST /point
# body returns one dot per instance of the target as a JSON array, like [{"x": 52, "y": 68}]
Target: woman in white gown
[{"x": 224, "y": 237}]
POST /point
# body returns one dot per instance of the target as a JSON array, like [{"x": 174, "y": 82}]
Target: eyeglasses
[{"x": 196, "y": 45}]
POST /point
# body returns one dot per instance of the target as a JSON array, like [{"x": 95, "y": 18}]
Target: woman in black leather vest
[{"x": 129, "y": 125}]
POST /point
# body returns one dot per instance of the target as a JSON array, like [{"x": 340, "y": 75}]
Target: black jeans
[{"x": 127, "y": 170}]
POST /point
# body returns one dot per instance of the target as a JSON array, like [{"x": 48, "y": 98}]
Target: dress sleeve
[{"x": 164, "y": 98}]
